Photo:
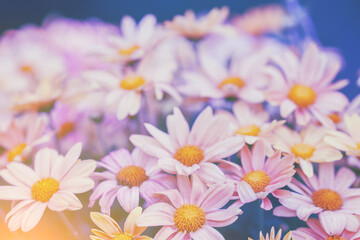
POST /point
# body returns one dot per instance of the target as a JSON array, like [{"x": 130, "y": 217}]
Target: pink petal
[
  {"x": 128, "y": 198},
  {"x": 245, "y": 192},
  {"x": 258, "y": 155},
  {"x": 158, "y": 214},
  {"x": 32, "y": 216},
  {"x": 163, "y": 138},
  {"x": 14, "y": 193},
  {"x": 216, "y": 196},
  {"x": 266, "y": 204},
  {"x": 303, "y": 212},
  {"x": 208, "y": 233},
  {"x": 210, "y": 173},
  {"x": 174, "y": 196}
]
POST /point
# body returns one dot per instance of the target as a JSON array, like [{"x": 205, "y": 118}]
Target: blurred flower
[
  {"x": 111, "y": 230},
  {"x": 192, "y": 211},
  {"x": 187, "y": 152},
  {"x": 127, "y": 177},
  {"x": 273, "y": 237},
  {"x": 257, "y": 179},
  {"x": 323, "y": 194},
  {"x": 308, "y": 146},
  {"x": 304, "y": 85},
  {"x": 51, "y": 184}
]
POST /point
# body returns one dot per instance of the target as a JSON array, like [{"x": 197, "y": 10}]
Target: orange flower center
[
  {"x": 26, "y": 69},
  {"x": 189, "y": 155},
  {"x": 128, "y": 51},
  {"x": 65, "y": 129},
  {"x": 251, "y": 130},
  {"x": 257, "y": 179},
  {"x": 17, "y": 150},
  {"x": 335, "y": 238},
  {"x": 132, "y": 82},
  {"x": 131, "y": 176},
  {"x": 44, "y": 189},
  {"x": 358, "y": 145},
  {"x": 303, "y": 150},
  {"x": 123, "y": 236},
  {"x": 301, "y": 95},
  {"x": 189, "y": 218},
  {"x": 234, "y": 81},
  {"x": 327, "y": 199},
  {"x": 335, "y": 117}
]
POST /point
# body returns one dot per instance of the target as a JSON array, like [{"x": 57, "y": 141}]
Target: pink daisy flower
[
  {"x": 52, "y": 184},
  {"x": 322, "y": 194},
  {"x": 304, "y": 85},
  {"x": 127, "y": 177},
  {"x": 273, "y": 237},
  {"x": 258, "y": 178},
  {"x": 111, "y": 230},
  {"x": 333, "y": 229},
  {"x": 192, "y": 211},
  {"x": 308, "y": 146},
  {"x": 185, "y": 152}
]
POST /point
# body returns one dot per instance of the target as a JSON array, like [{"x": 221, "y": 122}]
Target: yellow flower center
[
  {"x": 65, "y": 129},
  {"x": 17, "y": 150},
  {"x": 189, "y": 218},
  {"x": 43, "y": 189},
  {"x": 27, "y": 69},
  {"x": 303, "y": 150},
  {"x": 301, "y": 95},
  {"x": 335, "y": 238},
  {"x": 251, "y": 130},
  {"x": 131, "y": 176},
  {"x": 335, "y": 117},
  {"x": 234, "y": 81},
  {"x": 132, "y": 82},
  {"x": 128, "y": 51},
  {"x": 189, "y": 155},
  {"x": 257, "y": 179},
  {"x": 327, "y": 199},
  {"x": 123, "y": 236}
]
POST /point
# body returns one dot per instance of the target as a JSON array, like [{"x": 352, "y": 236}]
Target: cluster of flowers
[{"x": 267, "y": 119}]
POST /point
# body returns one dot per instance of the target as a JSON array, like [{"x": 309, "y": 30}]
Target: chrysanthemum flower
[
  {"x": 111, "y": 230},
  {"x": 192, "y": 27},
  {"x": 192, "y": 211},
  {"x": 186, "y": 152},
  {"x": 330, "y": 230},
  {"x": 51, "y": 184},
  {"x": 327, "y": 192},
  {"x": 257, "y": 178},
  {"x": 348, "y": 142},
  {"x": 127, "y": 177},
  {"x": 307, "y": 146},
  {"x": 21, "y": 136},
  {"x": 273, "y": 237},
  {"x": 304, "y": 85}
]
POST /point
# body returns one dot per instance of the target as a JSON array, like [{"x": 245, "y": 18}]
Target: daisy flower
[
  {"x": 111, "y": 230},
  {"x": 251, "y": 122},
  {"x": 192, "y": 211},
  {"x": 257, "y": 178},
  {"x": 127, "y": 177},
  {"x": 273, "y": 237},
  {"x": 303, "y": 86},
  {"x": 349, "y": 141},
  {"x": 324, "y": 193},
  {"x": 331, "y": 230},
  {"x": 52, "y": 184},
  {"x": 192, "y": 27},
  {"x": 308, "y": 146},
  {"x": 185, "y": 152},
  {"x": 20, "y": 136}
]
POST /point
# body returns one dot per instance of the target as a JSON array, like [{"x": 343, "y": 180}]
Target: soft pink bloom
[
  {"x": 192, "y": 211},
  {"x": 322, "y": 194},
  {"x": 331, "y": 229},
  {"x": 308, "y": 146},
  {"x": 273, "y": 237},
  {"x": 111, "y": 230},
  {"x": 127, "y": 177},
  {"x": 303, "y": 85},
  {"x": 52, "y": 184},
  {"x": 186, "y": 152},
  {"x": 257, "y": 178},
  {"x": 20, "y": 136}
]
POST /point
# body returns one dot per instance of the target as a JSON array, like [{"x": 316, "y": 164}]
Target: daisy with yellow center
[
  {"x": 258, "y": 178},
  {"x": 304, "y": 88},
  {"x": 272, "y": 236},
  {"x": 308, "y": 146},
  {"x": 128, "y": 176},
  {"x": 186, "y": 152},
  {"x": 111, "y": 230},
  {"x": 327, "y": 195},
  {"x": 192, "y": 211},
  {"x": 51, "y": 184}
]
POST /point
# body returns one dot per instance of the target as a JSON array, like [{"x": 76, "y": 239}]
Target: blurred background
[{"x": 336, "y": 24}]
